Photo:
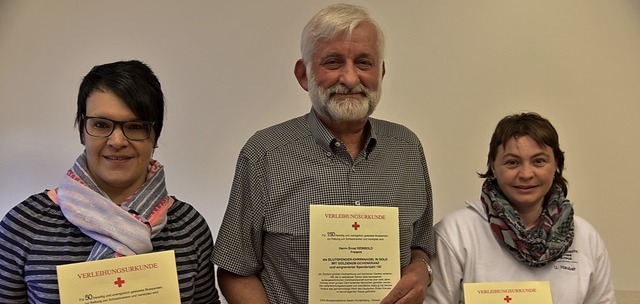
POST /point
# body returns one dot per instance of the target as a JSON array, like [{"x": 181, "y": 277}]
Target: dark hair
[
  {"x": 527, "y": 124},
  {"x": 133, "y": 82}
]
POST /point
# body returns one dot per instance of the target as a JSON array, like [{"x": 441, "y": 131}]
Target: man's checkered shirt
[{"x": 283, "y": 169}]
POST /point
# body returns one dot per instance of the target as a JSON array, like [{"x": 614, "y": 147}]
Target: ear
[
  {"x": 384, "y": 70},
  {"x": 493, "y": 169},
  {"x": 300, "y": 70}
]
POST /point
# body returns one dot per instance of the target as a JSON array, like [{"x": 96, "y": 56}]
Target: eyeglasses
[{"x": 103, "y": 127}]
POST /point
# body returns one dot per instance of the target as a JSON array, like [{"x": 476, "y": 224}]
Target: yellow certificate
[
  {"x": 533, "y": 292},
  {"x": 354, "y": 253},
  {"x": 145, "y": 278}
]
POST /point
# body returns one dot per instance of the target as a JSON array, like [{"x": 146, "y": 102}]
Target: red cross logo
[
  {"x": 119, "y": 282},
  {"x": 507, "y": 299},
  {"x": 355, "y": 225}
]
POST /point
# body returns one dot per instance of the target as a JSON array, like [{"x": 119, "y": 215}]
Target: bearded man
[{"x": 335, "y": 155}]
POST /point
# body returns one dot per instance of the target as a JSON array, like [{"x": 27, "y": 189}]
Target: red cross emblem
[
  {"x": 507, "y": 299},
  {"x": 355, "y": 225},
  {"x": 119, "y": 282}
]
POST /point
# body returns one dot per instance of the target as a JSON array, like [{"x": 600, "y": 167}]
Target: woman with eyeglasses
[{"x": 112, "y": 202}]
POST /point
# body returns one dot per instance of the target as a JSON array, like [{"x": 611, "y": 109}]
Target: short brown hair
[{"x": 527, "y": 124}]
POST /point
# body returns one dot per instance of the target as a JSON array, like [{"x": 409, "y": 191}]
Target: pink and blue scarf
[{"x": 118, "y": 230}]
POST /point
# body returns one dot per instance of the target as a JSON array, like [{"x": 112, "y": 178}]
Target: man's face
[{"x": 345, "y": 75}]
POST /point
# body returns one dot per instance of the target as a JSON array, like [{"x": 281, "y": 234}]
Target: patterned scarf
[
  {"x": 119, "y": 230},
  {"x": 546, "y": 242}
]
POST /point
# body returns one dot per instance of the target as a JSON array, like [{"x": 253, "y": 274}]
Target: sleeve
[
  {"x": 447, "y": 273},
  {"x": 13, "y": 250},
  {"x": 205, "y": 291},
  {"x": 601, "y": 290},
  {"x": 423, "y": 229},
  {"x": 239, "y": 243}
]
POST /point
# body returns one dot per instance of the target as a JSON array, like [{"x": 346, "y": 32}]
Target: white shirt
[{"x": 468, "y": 252}]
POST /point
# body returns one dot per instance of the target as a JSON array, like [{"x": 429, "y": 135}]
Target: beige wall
[{"x": 454, "y": 68}]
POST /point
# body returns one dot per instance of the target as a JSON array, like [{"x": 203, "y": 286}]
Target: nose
[
  {"x": 526, "y": 171},
  {"x": 349, "y": 76},
  {"x": 117, "y": 138}
]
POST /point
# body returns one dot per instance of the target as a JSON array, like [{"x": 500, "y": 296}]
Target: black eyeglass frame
[{"x": 115, "y": 123}]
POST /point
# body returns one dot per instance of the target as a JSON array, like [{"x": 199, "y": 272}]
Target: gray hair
[{"x": 333, "y": 20}]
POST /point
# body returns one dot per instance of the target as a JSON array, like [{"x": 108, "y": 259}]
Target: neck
[
  {"x": 119, "y": 195},
  {"x": 119, "y": 198}
]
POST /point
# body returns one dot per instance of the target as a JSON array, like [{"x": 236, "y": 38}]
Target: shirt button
[
  {"x": 357, "y": 203},
  {"x": 337, "y": 144}
]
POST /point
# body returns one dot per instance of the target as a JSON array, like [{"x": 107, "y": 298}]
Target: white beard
[{"x": 349, "y": 109}]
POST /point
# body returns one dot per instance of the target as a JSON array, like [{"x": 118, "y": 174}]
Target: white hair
[{"x": 333, "y": 20}]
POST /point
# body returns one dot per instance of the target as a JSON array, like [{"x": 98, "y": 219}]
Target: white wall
[{"x": 454, "y": 68}]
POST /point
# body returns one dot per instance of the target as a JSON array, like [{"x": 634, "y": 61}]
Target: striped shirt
[
  {"x": 283, "y": 169},
  {"x": 35, "y": 237}
]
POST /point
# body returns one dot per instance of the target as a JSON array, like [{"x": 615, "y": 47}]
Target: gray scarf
[{"x": 546, "y": 242}]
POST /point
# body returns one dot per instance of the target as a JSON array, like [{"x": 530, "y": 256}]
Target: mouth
[
  {"x": 117, "y": 158},
  {"x": 349, "y": 94},
  {"x": 525, "y": 187},
  {"x": 340, "y": 97}
]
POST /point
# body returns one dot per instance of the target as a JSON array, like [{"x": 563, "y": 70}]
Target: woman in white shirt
[{"x": 523, "y": 228}]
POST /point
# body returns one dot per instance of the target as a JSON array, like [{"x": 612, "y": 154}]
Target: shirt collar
[{"x": 325, "y": 138}]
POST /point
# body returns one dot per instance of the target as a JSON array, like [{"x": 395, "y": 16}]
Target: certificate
[
  {"x": 144, "y": 278},
  {"x": 532, "y": 292},
  {"x": 354, "y": 253}
]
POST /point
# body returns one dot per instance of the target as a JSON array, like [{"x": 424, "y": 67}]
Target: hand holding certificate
[{"x": 354, "y": 254}]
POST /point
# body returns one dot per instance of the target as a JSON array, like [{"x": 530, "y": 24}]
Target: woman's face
[
  {"x": 117, "y": 165},
  {"x": 524, "y": 171}
]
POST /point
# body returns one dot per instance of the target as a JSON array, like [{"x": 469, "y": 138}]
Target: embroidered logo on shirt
[{"x": 568, "y": 261}]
